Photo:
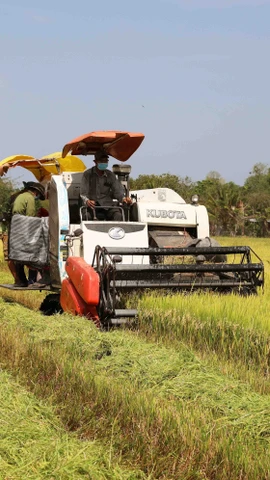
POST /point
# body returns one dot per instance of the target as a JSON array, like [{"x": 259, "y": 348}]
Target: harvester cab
[{"x": 162, "y": 242}]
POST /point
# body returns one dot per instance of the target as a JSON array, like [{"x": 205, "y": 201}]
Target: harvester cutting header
[{"x": 99, "y": 252}]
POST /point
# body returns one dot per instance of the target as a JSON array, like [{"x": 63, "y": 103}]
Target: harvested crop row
[
  {"x": 163, "y": 410},
  {"x": 34, "y": 445}
]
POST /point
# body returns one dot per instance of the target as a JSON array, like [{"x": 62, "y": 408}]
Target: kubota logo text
[{"x": 178, "y": 214}]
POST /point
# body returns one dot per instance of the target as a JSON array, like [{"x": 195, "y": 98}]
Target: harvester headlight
[{"x": 195, "y": 199}]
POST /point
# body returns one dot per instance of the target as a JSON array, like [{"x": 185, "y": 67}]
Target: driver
[{"x": 100, "y": 186}]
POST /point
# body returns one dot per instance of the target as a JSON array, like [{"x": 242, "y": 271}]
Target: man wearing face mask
[{"x": 100, "y": 187}]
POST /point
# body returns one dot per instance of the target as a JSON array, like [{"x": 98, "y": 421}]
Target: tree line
[{"x": 233, "y": 209}]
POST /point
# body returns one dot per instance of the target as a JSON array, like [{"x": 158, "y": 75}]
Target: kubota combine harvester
[{"x": 161, "y": 243}]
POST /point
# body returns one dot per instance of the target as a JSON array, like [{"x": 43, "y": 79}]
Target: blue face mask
[{"x": 102, "y": 166}]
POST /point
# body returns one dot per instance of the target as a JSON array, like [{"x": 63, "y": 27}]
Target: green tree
[
  {"x": 223, "y": 202},
  {"x": 258, "y": 180},
  {"x": 6, "y": 189},
  {"x": 258, "y": 213},
  {"x": 257, "y": 200}
]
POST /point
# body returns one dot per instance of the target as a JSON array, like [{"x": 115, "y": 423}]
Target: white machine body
[{"x": 156, "y": 210}]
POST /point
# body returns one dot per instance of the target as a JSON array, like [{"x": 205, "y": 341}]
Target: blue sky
[{"x": 192, "y": 75}]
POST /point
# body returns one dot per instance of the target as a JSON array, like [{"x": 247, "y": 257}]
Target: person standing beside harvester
[{"x": 25, "y": 204}]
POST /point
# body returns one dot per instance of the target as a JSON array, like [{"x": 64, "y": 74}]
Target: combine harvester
[{"x": 162, "y": 242}]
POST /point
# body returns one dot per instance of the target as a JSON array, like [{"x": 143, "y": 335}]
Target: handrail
[{"x": 101, "y": 207}]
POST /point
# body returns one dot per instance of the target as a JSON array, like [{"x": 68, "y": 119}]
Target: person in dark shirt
[
  {"x": 100, "y": 186},
  {"x": 25, "y": 204}
]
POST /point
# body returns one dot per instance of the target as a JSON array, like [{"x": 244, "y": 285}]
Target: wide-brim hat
[{"x": 35, "y": 186}]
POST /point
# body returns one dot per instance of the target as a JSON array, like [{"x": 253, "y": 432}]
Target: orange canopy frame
[{"x": 118, "y": 144}]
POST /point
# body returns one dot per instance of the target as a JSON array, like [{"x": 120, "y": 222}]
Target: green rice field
[{"x": 182, "y": 395}]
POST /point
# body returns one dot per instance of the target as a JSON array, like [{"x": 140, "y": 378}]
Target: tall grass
[
  {"x": 235, "y": 328},
  {"x": 34, "y": 445},
  {"x": 164, "y": 410},
  {"x": 208, "y": 323},
  {"x": 156, "y": 403}
]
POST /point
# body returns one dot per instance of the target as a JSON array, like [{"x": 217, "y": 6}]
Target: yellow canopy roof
[{"x": 43, "y": 168}]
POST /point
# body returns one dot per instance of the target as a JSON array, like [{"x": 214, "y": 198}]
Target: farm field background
[{"x": 183, "y": 395}]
